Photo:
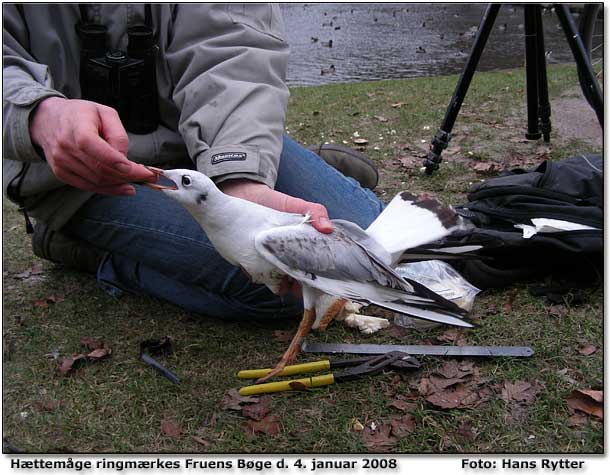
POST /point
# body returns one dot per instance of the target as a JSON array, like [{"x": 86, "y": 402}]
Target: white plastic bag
[{"x": 442, "y": 279}]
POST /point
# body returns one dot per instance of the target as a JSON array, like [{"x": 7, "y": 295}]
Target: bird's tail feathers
[
  {"x": 447, "y": 318},
  {"x": 409, "y": 221}
]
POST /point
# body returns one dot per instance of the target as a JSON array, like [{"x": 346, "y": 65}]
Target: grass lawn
[{"x": 119, "y": 404}]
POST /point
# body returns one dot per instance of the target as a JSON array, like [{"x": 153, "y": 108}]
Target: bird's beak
[{"x": 159, "y": 173}]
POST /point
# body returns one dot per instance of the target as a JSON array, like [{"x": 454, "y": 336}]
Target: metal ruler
[{"x": 432, "y": 350}]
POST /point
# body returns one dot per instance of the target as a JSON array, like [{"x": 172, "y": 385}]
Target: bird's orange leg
[
  {"x": 330, "y": 314},
  {"x": 290, "y": 355}
]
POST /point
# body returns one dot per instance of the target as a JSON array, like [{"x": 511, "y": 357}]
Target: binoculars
[{"x": 123, "y": 80}]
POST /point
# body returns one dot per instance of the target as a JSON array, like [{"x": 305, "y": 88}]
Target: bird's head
[{"x": 189, "y": 187}]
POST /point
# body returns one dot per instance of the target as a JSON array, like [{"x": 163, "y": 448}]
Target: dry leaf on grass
[
  {"x": 92, "y": 343},
  {"x": 588, "y": 401},
  {"x": 402, "y": 405},
  {"x": 401, "y": 426},
  {"x": 379, "y": 439},
  {"x": 557, "y": 311},
  {"x": 576, "y": 420},
  {"x": 68, "y": 364},
  {"x": 452, "y": 398},
  {"x": 258, "y": 410},
  {"x": 269, "y": 425},
  {"x": 454, "y": 335},
  {"x": 484, "y": 167},
  {"x": 48, "y": 405},
  {"x": 51, "y": 299},
  {"x": 453, "y": 369},
  {"x": 520, "y": 391},
  {"x": 395, "y": 331},
  {"x": 466, "y": 431},
  {"x": 360, "y": 141},
  {"x": 282, "y": 336},
  {"x": 233, "y": 400},
  {"x": 99, "y": 353},
  {"x": 396, "y": 105},
  {"x": 171, "y": 427},
  {"x": 587, "y": 350},
  {"x": 36, "y": 269}
]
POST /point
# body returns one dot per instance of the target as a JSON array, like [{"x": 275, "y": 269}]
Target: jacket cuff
[
  {"x": 229, "y": 162},
  {"x": 20, "y": 118}
]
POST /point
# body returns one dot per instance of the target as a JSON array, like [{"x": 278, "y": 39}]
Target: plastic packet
[{"x": 442, "y": 279}]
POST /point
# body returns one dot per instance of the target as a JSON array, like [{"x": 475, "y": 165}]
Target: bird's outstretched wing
[{"x": 343, "y": 264}]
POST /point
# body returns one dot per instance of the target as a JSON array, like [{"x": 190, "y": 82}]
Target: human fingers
[
  {"x": 112, "y": 130},
  {"x": 82, "y": 183},
  {"x": 317, "y": 212}
]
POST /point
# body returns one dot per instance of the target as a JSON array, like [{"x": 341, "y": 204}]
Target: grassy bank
[{"x": 118, "y": 404}]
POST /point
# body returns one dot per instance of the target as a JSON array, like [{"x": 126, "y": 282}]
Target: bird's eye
[{"x": 186, "y": 180}]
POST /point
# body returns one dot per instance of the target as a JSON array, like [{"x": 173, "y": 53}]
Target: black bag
[{"x": 569, "y": 190}]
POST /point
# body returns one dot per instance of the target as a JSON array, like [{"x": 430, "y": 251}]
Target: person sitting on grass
[{"x": 212, "y": 84}]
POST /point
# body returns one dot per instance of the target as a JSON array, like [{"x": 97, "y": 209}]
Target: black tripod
[{"x": 538, "y": 106}]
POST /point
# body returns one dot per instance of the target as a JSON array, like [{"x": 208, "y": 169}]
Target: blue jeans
[{"x": 154, "y": 247}]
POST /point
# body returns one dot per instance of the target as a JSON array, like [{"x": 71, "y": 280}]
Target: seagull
[{"x": 349, "y": 264}]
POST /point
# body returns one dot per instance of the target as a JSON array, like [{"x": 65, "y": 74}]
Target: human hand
[
  {"x": 263, "y": 195},
  {"x": 85, "y": 145}
]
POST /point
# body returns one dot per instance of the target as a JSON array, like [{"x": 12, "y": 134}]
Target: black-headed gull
[{"x": 349, "y": 263}]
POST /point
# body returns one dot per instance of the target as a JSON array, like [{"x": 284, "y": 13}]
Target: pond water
[{"x": 393, "y": 40}]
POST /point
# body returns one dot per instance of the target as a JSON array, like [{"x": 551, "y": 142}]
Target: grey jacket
[{"x": 221, "y": 82}]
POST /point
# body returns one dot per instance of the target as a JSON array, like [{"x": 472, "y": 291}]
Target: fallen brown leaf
[
  {"x": 403, "y": 425},
  {"x": 466, "y": 430},
  {"x": 67, "y": 364},
  {"x": 360, "y": 141},
  {"x": 395, "y": 331},
  {"x": 55, "y": 298},
  {"x": 171, "y": 427},
  {"x": 269, "y": 425},
  {"x": 485, "y": 167},
  {"x": 520, "y": 391},
  {"x": 379, "y": 439},
  {"x": 233, "y": 400},
  {"x": 48, "y": 405},
  {"x": 576, "y": 420},
  {"x": 453, "y": 398},
  {"x": 282, "y": 336},
  {"x": 453, "y": 335},
  {"x": 396, "y": 105},
  {"x": 92, "y": 343},
  {"x": 588, "y": 401},
  {"x": 587, "y": 350},
  {"x": 380, "y": 118},
  {"x": 557, "y": 311},
  {"x": 258, "y": 410},
  {"x": 99, "y": 353},
  {"x": 450, "y": 369},
  {"x": 402, "y": 405}
]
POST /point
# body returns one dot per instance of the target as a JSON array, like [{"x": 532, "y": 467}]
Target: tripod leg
[
  {"x": 531, "y": 72},
  {"x": 443, "y": 134},
  {"x": 544, "y": 106},
  {"x": 582, "y": 60}
]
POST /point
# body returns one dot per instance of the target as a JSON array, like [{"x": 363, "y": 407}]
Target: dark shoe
[
  {"x": 59, "y": 247},
  {"x": 349, "y": 162}
]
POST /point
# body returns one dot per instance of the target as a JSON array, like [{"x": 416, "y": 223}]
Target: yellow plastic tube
[
  {"x": 312, "y": 367},
  {"x": 311, "y": 382}
]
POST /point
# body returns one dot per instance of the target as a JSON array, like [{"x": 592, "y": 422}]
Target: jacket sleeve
[
  {"x": 228, "y": 64},
  {"x": 24, "y": 84}
]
